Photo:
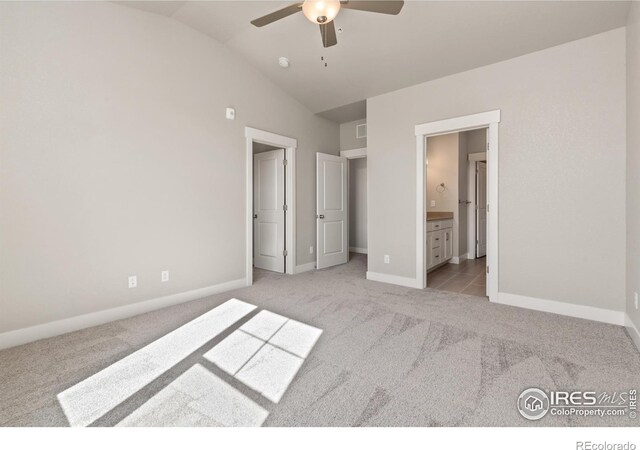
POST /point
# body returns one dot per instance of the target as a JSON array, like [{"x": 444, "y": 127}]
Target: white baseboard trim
[
  {"x": 58, "y": 327},
  {"x": 358, "y": 250},
  {"x": 306, "y": 267},
  {"x": 392, "y": 279},
  {"x": 633, "y": 330},
  {"x": 458, "y": 259},
  {"x": 566, "y": 309}
]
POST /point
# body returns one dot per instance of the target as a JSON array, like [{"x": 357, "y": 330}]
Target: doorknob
[
  {"x": 255, "y": 216},
  {"x": 320, "y": 216}
]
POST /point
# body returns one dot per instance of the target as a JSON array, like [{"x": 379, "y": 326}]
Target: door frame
[
  {"x": 471, "y": 212},
  {"x": 289, "y": 144},
  {"x": 356, "y": 153},
  {"x": 490, "y": 120}
]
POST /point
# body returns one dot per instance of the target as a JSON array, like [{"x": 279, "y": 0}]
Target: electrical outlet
[
  {"x": 386, "y": 259},
  {"x": 133, "y": 281},
  {"x": 433, "y": 203},
  {"x": 636, "y": 299},
  {"x": 164, "y": 275},
  {"x": 311, "y": 250}
]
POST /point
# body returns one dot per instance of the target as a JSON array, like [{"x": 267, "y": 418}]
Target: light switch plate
[
  {"x": 133, "y": 281},
  {"x": 164, "y": 276},
  {"x": 231, "y": 114},
  {"x": 433, "y": 203},
  {"x": 386, "y": 259}
]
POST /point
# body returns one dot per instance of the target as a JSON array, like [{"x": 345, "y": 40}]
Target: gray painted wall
[
  {"x": 476, "y": 140},
  {"x": 633, "y": 161},
  {"x": 348, "y": 139},
  {"x": 358, "y": 203},
  {"x": 562, "y": 168},
  {"x": 261, "y": 148},
  {"x": 117, "y": 158}
]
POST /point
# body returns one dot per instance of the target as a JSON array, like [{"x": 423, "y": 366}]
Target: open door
[
  {"x": 269, "y": 211},
  {"x": 481, "y": 209},
  {"x": 332, "y": 214}
]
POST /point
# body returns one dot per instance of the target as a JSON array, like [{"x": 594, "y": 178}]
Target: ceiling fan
[{"x": 323, "y": 12}]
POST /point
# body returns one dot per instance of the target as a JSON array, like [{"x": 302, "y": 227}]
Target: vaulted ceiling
[{"x": 379, "y": 53}]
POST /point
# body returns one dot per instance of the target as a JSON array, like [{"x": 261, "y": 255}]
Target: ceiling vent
[{"x": 361, "y": 131}]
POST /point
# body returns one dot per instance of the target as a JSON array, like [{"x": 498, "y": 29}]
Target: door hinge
[
  {"x": 284, "y": 252},
  {"x": 488, "y": 146},
  {"x": 487, "y": 269},
  {"x": 487, "y": 207},
  {"x": 477, "y": 241},
  {"x": 284, "y": 207},
  {"x": 284, "y": 162}
]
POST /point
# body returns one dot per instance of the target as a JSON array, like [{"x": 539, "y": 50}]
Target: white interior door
[
  {"x": 481, "y": 209},
  {"x": 332, "y": 213},
  {"x": 268, "y": 210}
]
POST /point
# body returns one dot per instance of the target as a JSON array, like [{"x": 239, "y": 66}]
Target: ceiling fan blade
[
  {"x": 277, "y": 15},
  {"x": 328, "y": 32},
  {"x": 383, "y": 7}
]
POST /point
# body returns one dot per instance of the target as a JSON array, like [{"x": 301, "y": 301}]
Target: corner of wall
[{"x": 632, "y": 168}]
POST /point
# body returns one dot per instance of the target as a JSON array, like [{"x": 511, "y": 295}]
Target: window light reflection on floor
[
  {"x": 198, "y": 398},
  {"x": 264, "y": 354},
  {"x": 90, "y": 399}
]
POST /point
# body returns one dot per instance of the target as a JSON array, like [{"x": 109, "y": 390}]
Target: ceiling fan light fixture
[{"x": 321, "y": 11}]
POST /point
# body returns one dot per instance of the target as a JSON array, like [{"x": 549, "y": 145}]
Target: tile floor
[{"x": 468, "y": 277}]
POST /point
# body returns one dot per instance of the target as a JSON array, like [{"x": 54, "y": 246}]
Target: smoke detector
[{"x": 283, "y": 62}]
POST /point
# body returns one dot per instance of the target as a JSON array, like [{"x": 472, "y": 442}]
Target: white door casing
[
  {"x": 252, "y": 136},
  {"x": 332, "y": 214},
  {"x": 490, "y": 119},
  {"x": 481, "y": 209},
  {"x": 269, "y": 210}
]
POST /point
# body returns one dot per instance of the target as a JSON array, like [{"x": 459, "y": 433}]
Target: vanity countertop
[{"x": 437, "y": 215}]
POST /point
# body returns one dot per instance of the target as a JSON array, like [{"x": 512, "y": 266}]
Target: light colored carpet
[{"x": 387, "y": 356}]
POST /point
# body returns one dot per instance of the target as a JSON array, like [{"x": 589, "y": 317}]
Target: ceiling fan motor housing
[{"x": 321, "y": 11}]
